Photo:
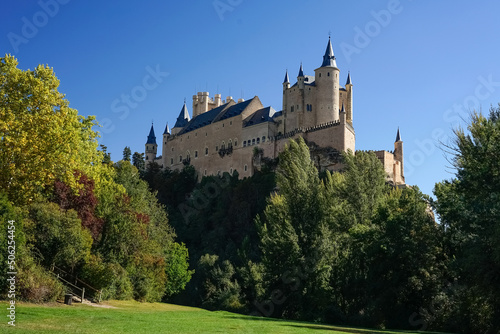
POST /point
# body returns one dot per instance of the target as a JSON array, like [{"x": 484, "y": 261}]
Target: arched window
[
  {"x": 171, "y": 161},
  {"x": 196, "y": 154},
  {"x": 246, "y": 168},
  {"x": 236, "y": 142},
  {"x": 206, "y": 150},
  {"x": 258, "y": 141},
  {"x": 263, "y": 139},
  {"x": 253, "y": 141},
  {"x": 180, "y": 158},
  {"x": 244, "y": 143},
  {"x": 223, "y": 146},
  {"x": 230, "y": 144}
]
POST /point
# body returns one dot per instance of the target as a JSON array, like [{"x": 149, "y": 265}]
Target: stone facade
[{"x": 227, "y": 135}]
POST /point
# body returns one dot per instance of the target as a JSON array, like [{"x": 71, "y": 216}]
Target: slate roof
[
  {"x": 329, "y": 57},
  {"x": 398, "y": 136},
  {"x": 151, "y": 136},
  {"x": 183, "y": 118},
  {"x": 217, "y": 114},
  {"x": 260, "y": 116}
]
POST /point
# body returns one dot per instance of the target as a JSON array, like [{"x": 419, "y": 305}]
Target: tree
[
  {"x": 469, "y": 207},
  {"x": 138, "y": 161},
  {"x": 296, "y": 242},
  {"x": 127, "y": 153},
  {"x": 42, "y": 139},
  {"x": 60, "y": 238}
]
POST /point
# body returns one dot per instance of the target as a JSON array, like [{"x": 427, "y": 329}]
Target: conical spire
[
  {"x": 348, "y": 82},
  {"x": 286, "y": 77},
  {"x": 329, "y": 57},
  {"x": 167, "y": 130},
  {"x": 301, "y": 71},
  {"x": 398, "y": 136},
  {"x": 151, "y": 137},
  {"x": 183, "y": 118}
]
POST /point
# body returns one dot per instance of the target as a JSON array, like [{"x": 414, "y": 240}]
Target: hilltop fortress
[{"x": 228, "y": 135}]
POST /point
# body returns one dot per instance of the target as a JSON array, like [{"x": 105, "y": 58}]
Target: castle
[{"x": 228, "y": 135}]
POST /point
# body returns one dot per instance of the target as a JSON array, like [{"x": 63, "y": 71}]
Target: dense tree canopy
[{"x": 469, "y": 207}]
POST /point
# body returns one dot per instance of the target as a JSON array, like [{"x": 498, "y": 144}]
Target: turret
[
  {"x": 182, "y": 120},
  {"x": 286, "y": 85},
  {"x": 327, "y": 88},
  {"x": 301, "y": 77},
  {"x": 398, "y": 154},
  {"x": 151, "y": 146},
  {"x": 348, "y": 88}
]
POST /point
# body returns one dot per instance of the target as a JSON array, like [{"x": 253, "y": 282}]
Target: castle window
[
  {"x": 230, "y": 144},
  {"x": 188, "y": 137},
  {"x": 231, "y": 171},
  {"x": 147, "y": 158},
  {"x": 217, "y": 148},
  {"x": 244, "y": 143},
  {"x": 298, "y": 107},
  {"x": 236, "y": 142},
  {"x": 310, "y": 107},
  {"x": 231, "y": 123},
  {"x": 246, "y": 168},
  {"x": 196, "y": 154},
  {"x": 263, "y": 139},
  {"x": 291, "y": 110},
  {"x": 258, "y": 140},
  {"x": 253, "y": 141},
  {"x": 206, "y": 150},
  {"x": 172, "y": 149},
  {"x": 328, "y": 73},
  {"x": 205, "y": 172},
  {"x": 180, "y": 158},
  {"x": 171, "y": 161},
  {"x": 223, "y": 146},
  {"x": 222, "y": 124},
  {"x": 320, "y": 75}
]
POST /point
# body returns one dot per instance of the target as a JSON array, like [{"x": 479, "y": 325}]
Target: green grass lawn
[{"x": 134, "y": 317}]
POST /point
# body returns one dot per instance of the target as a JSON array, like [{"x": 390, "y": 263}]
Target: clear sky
[{"x": 417, "y": 65}]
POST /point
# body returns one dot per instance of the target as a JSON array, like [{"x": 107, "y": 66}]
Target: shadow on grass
[{"x": 327, "y": 327}]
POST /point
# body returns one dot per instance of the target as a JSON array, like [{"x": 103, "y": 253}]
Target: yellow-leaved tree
[{"x": 42, "y": 139}]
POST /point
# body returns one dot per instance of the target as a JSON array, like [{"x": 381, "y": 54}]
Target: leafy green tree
[
  {"x": 138, "y": 161},
  {"x": 59, "y": 236},
  {"x": 297, "y": 247},
  {"x": 127, "y": 153},
  {"x": 469, "y": 207},
  {"x": 42, "y": 139},
  {"x": 177, "y": 271}
]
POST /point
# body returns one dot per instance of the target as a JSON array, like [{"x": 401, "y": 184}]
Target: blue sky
[{"x": 417, "y": 65}]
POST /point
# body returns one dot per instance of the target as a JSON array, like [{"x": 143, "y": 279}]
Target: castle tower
[
  {"x": 182, "y": 120},
  {"x": 348, "y": 88},
  {"x": 151, "y": 146},
  {"x": 327, "y": 85},
  {"x": 398, "y": 155},
  {"x": 286, "y": 85}
]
